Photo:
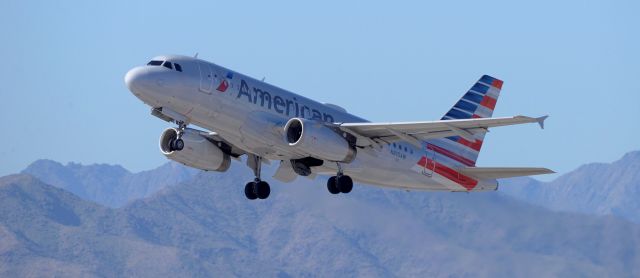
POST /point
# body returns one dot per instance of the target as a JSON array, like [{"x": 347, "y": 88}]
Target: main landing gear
[
  {"x": 257, "y": 189},
  {"x": 340, "y": 183},
  {"x": 177, "y": 144}
]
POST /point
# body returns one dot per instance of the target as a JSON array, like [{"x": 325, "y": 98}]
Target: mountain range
[
  {"x": 595, "y": 188},
  {"x": 172, "y": 221},
  {"x": 109, "y": 185}
]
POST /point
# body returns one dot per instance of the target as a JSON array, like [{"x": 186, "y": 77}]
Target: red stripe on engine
[
  {"x": 473, "y": 145},
  {"x": 451, "y": 155},
  {"x": 451, "y": 174},
  {"x": 475, "y": 116},
  {"x": 488, "y": 102}
]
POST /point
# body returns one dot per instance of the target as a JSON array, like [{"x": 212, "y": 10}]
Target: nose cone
[
  {"x": 140, "y": 81},
  {"x": 137, "y": 79}
]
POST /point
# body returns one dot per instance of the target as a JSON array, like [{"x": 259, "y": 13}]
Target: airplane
[{"x": 240, "y": 116}]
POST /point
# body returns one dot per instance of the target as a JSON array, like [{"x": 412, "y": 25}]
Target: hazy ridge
[
  {"x": 595, "y": 188},
  {"x": 204, "y": 226}
]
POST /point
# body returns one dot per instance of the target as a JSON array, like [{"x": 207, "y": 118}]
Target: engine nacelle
[
  {"x": 318, "y": 140},
  {"x": 198, "y": 152}
]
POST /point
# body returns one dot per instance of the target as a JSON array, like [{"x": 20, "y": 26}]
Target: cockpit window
[{"x": 165, "y": 64}]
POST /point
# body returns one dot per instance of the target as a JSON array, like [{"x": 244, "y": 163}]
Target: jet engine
[
  {"x": 319, "y": 141},
  {"x": 198, "y": 151}
]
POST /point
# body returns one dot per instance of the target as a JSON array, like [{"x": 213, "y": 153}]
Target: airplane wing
[
  {"x": 372, "y": 133},
  {"x": 503, "y": 172}
]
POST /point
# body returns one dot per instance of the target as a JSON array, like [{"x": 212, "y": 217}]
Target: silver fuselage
[{"x": 251, "y": 114}]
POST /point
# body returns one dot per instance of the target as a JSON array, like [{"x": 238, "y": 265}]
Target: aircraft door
[
  {"x": 206, "y": 77},
  {"x": 430, "y": 163}
]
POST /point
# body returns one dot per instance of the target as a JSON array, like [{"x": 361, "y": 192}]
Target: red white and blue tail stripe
[
  {"x": 478, "y": 102},
  {"x": 445, "y": 155}
]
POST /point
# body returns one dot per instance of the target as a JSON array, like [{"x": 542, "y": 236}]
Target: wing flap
[
  {"x": 285, "y": 172},
  {"x": 503, "y": 172}
]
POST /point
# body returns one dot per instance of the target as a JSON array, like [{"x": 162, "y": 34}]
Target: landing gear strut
[
  {"x": 178, "y": 144},
  {"x": 340, "y": 183},
  {"x": 257, "y": 189}
]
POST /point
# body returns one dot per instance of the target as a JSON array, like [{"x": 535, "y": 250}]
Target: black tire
[
  {"x": 332, "y": 185},
  {"x": 345, "y": 184},
  {"x": 249, "y": 191},
  {"x": 178, "y": 145},
  {"x": 171, "y": 149},
  {"x": 263, "y": 189}
]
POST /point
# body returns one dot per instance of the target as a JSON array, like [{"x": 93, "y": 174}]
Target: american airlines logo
[
  {"x": 285, "y": 106},
  {"x": 224, "y": 84}
]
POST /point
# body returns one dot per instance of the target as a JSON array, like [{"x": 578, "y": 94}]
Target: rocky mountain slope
[
  {"x": 109, "y": 185},
  {"x": 205, "y": 226},
  {"x": 596, "y": 188}
]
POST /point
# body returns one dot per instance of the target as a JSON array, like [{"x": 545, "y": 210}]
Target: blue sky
[{"x": 63, "y": 62}]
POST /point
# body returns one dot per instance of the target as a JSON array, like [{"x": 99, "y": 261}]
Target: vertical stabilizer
[{"x": 477, "y": 102}]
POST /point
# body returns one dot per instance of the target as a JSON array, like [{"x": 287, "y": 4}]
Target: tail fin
[{"x": 478, "y": 102}]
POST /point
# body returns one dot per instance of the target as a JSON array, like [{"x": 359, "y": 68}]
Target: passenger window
[
  {"x": 154, "y": 63},
  {"x": 178, "y": 67},
  {"x": 167, "y": 64}
]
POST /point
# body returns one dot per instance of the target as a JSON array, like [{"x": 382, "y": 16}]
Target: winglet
[{"x": 541, "y": 120}]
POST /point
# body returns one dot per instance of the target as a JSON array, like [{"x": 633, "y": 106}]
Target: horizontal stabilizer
[{"x": 503, "y": 172}]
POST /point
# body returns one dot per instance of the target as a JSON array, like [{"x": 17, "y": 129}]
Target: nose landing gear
[{"x": 177, "y": 144}]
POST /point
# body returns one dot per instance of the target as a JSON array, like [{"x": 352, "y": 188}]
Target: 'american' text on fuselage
[{"x": 281, "y": 105}]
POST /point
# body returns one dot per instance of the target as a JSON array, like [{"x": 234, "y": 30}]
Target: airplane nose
[{"x": 136, "y": 79}]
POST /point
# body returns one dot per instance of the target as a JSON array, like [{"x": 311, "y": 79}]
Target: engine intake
[
  {"x": 319, "y": 141},
  {"x": 198, "y": 152}
]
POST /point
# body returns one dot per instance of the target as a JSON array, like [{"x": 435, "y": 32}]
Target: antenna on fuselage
[
  {"x": 196, "y": 56},
  {"x": 263, "y": 78}
]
